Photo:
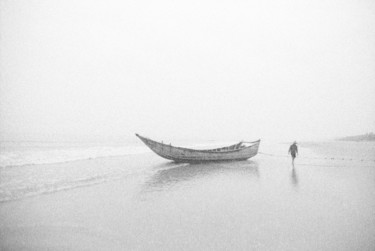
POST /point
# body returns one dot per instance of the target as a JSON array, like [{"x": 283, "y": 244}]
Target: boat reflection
[{"x": 171, "y": 173}]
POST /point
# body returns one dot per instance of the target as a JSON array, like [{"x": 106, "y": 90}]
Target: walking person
[{"x": 293, "y": 150}]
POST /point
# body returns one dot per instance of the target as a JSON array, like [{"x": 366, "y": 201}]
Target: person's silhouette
[{"x": 293, "y": 150}]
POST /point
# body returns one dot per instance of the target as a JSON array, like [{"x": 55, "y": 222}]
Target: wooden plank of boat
[{"x": 238, "y": 151}]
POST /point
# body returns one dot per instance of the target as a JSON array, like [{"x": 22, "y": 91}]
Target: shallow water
[{"x": 147, "y": 203}]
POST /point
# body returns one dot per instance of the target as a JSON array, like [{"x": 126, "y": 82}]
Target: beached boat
[{"x": 240, "y": 151}]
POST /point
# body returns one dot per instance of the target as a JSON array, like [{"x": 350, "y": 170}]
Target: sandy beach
[{"x": 148, "y": 203}]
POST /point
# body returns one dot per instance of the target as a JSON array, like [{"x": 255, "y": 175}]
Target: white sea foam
[{"x": 33, "y": 156}]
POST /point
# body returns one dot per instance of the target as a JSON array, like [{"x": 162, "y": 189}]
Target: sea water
[{"x": 35, "y": 167}]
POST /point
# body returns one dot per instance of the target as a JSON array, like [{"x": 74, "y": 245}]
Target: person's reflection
[{"x": 294, "y": 177}]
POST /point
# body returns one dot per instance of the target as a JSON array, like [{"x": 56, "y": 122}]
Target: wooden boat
[{"x": 240, "y": 151}]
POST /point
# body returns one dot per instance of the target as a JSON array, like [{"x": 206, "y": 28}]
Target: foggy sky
[{"x": 188, "y": 69}]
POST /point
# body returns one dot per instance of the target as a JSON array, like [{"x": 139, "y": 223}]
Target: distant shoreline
[{"x": 364, "y": 137}]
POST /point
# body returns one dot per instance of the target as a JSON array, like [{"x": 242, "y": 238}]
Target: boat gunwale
[{"x": 202, "y": 150}]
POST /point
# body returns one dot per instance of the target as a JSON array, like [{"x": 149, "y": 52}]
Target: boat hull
[{"x": 186, "y": 155}]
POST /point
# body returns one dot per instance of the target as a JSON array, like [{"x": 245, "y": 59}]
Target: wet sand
[{"x": 260, "y": 204}]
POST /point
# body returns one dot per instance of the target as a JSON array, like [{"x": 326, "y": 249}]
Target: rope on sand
[{"x": 317, "y": 158}]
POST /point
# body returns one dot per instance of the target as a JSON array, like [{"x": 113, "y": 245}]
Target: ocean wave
[{"x": 52, "y": 156}]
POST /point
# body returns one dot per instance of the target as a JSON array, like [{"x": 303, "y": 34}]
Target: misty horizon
[{"x": 199, "y": 70}]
